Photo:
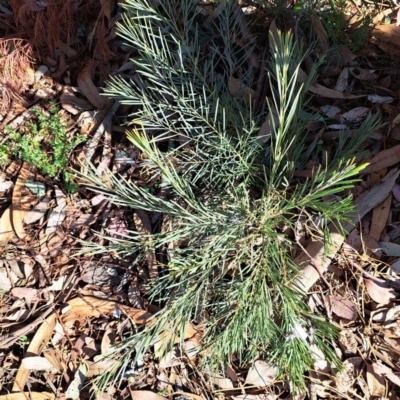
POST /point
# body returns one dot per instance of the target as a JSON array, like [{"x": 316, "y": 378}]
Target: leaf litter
[{"x": 60, "y": 302}]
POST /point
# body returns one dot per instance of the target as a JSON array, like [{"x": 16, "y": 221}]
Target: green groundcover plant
[
  {"x": 44, "y": 144},
  {"x": 230, "y": 200}
]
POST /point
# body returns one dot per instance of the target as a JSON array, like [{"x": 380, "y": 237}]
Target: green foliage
[
  {"x": 335, "y": 21},
  {"x": 334, "y": 17},
  {"x": 43, "y": 143},
  {"x": 228, "y": 198}
]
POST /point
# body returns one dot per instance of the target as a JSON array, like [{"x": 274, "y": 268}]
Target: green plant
[
  {"x": 335, "y": 20},
  {"x": 43, "y": 143},
  {"x": 230, "y": 200}
]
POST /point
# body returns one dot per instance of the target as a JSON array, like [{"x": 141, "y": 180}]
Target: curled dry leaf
[
  {"x": 343, "y": 308},
  {"x": 88, "y": 88},
  {"x": 379, "y": 292},
  {"x": 385, "y": 158}
]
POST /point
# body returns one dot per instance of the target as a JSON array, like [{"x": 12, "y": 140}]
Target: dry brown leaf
[
  {"x": 354, "y": 115},
  {"x": 388, "y": 33},
  {"x": 29, "y": 294},
  {"x": 309, "y": 274},
  {"x": 379, "y": 218},
  {"x": 363, "y": 74},
  {"x": 37, "y": 212},
  {"x": 376, "y": 177},
  {"x": 28, "y": 395},
  {"x": 239, "y": 90},
  {"x": 18, "y": 208},
  {"x": 88, "y": 88},
  {"x": 261, "y": 374},
  {"x": 321, "y": 32},
  {"x": 383, "y": 370},
  {"x": 352, "y": 368},
  {"x": 143, "y": 225},
  {"x": 6, "y": 229},
  {"x": 343, "y": 308},
  {"x": 341, "y": 85},
  {"x": 145, "y": 395},
  {"x": 379, "y": 292},
  {"x": 364, "y": 203},
  {"x": 381, "y": 16},
  {"x": 36, "y": 346},
  {"x": 370, "y": 199},
  {"x": 342, "y": 55},
  {"x": 371, "y": 246},
  {"x": 107, "y": 341},
  {"x": 73, "y": 104},
  {"x": 389, "y": 48},
  {"x": 222, "y": 383},
  {"x": 376, "y": 383},
  {"x": 385, "y": 158},
  {"x": 99, "y": 366},
  {"x": 54, "y": 357},
  {"x": 38, "y": 363},
  {"x": 75, "y": 387},
  {"x": 324, "y": 91},
  {"x": 88, "y": 306}
]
